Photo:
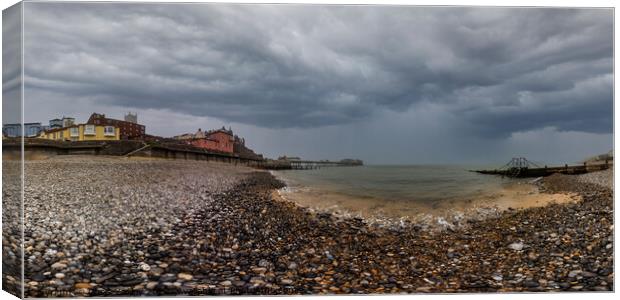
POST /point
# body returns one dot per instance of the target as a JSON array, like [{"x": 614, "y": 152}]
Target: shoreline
[
  {"x": 514, "y": 196},
  {"x": 197, "y": 228}
]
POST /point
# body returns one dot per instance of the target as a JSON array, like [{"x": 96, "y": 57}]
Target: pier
[
  {"x": 298, "y": 164},
  {"x": 310, "y": 165},
  {"x": 520, "y": 167}
]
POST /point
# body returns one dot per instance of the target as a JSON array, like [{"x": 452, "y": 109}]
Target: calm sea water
[{"x": 390, "y": 186}]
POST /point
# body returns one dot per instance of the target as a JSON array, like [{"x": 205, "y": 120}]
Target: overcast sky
[{"x": 387, "y": 84}]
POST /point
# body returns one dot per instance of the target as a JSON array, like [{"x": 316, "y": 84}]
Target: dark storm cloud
[{"x": 499, "y": 70}]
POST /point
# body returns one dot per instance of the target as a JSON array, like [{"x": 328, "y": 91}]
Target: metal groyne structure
[{"x": 520, "y": 167}]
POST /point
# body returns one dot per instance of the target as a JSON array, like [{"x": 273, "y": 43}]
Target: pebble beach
[{"x": 116, "y": 227}]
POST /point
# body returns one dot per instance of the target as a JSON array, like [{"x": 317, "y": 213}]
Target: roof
[
  {"x": 203, "y": 138},
  {"x": 219, "y": 130},
  {"x": 61, "y": 128},
  {"x": 19, "y": 124},
  {"x": 114, "y": 120}
]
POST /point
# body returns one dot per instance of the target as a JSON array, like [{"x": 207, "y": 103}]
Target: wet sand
[{"x": 514, "y": 196}]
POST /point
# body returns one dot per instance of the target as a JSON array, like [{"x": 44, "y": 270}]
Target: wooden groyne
[{"x": 521, "y": 167}]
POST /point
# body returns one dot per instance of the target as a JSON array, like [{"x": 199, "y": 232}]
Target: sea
[{"x": 401, "y": 191}]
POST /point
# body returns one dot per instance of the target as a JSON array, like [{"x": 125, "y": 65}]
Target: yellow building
[{"x": 83, "y": 132}]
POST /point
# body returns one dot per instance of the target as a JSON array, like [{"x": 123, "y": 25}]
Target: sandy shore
[
  {"x": 519, "y": 195},
  {"x": 107, "y": 226}
]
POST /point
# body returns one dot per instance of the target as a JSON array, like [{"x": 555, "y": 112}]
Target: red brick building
[
  {"x": 220, "y": 140},
  {"x": 129, "y": 130}
]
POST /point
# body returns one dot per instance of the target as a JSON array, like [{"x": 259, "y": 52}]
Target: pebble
[
  {"x": 151, "y": 285},
  {"x": 226, "y": 283},
  {"x": 238, "y": 283},
  {"x": 145, "y": 267},
  {"x": 185, "y": 276},
  {"x": 574, "y": 273},
  {"x": 424, "y": 289},
  {"x": 168, "y": 278},
  {"x": 530, "y": 283},
  {"x": 82, "y": 285},
  {"x": 59, "y": 266},
  {"x": 516, "y": 246}
]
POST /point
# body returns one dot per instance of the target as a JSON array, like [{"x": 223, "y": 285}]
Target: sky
[{"x": 386, "y": 84}]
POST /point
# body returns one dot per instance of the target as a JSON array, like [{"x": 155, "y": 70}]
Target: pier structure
[
  {"x": 298, "y": 164},
  {"x": 295, "y": 163},
  {"x": 520, "y": 167},
  {"x": 310, "y": 165}
]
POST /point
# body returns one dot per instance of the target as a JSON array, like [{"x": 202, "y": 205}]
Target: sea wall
[{"x": 42, "y": 149}]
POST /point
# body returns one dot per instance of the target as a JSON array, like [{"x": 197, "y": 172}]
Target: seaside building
[
  {"x": 129, "y": 130},
  {"x": 15, "y": 129},
  {"x": 133, "y": 118},
  {"x": 55, "y": 123},
  {"x": 83, "y": 132},
  {"x": 220, "y": 140},
  {"x": 60, "y": 123}
]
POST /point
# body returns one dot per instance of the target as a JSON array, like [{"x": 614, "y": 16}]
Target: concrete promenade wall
[{"x": 41, "y": 149}]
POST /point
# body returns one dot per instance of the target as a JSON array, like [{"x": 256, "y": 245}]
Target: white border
[{"x": 565, "y": 3}]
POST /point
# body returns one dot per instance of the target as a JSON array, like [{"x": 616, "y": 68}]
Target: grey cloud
[
  {"x": 497, "y": 70},
  {"x": 11, "y": 64}
]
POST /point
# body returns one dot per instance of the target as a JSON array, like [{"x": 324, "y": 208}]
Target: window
[
  {"x": 32, "y": 131},
  {"x": 109, "y": 131},
  {"x": 73, "y": 131},
  {"x": 89, "y": 129}
]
